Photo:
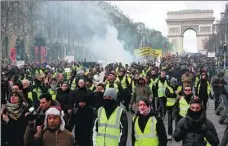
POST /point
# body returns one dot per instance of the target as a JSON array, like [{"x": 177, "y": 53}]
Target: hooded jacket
[{"x": 194, "y": 132}]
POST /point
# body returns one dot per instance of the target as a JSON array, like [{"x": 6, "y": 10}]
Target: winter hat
[
  {"x": 173, "y": 81},
  {"x": 55, "y": 111},
  {"x": 146, "y": 100},
  {"x": 111, "y": 92}
]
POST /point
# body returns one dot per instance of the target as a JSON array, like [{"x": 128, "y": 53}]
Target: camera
[{"x": 36, "y": 115}]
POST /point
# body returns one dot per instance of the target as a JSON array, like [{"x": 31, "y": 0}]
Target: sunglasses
[{"x": 187, "y": 90}]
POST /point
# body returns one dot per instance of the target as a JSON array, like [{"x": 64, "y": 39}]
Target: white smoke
[{"x": 109, "y": 48}]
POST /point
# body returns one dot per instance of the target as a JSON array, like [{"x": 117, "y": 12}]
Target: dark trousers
[
  {"x": 161, "y": 105},
  {"x": 170, "y": 120},
  {"x": 217, "y": 96},
  {"x": 205, "y": 104}
]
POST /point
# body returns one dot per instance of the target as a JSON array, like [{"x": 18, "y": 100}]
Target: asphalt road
[{"x": 210, "y": 115}]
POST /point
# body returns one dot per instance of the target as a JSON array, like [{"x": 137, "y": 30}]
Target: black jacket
[
  {"x": 123, "y": 128},
  {"x": 83, "y": 121},
  {"x": 13, "y": 131},
  {"x": 63, "y": 97},
  {"x": 216, "y": 85},
  {"x": 202, "y": 91},
  {"x": 192, "y": 132},
  {"x": 160, "y": 128},
  {"x": 224, "y": 140}
]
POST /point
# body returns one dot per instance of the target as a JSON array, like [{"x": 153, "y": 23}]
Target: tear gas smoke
[
  {"x": 110, "y": 48},
  {"x": 90, "y": 22}
]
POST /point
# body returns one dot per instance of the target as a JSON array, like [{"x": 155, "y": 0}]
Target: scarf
[{"x": 14, "y": 110}]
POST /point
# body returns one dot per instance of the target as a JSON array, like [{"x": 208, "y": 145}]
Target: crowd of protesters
[{"x": 42, "y": 105}]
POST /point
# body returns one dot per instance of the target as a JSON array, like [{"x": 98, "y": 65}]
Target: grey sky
[{"x": 153, "y": 13}]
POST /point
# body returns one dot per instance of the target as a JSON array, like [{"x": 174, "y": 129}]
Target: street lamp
[
  {"x": 225, "y": 38},
  {"x": 17, "y": 46}
]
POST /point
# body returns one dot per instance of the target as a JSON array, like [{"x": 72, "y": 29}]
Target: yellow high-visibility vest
[
  {"x": 161, "y": 88},
  {"x": 73, "y": 84},
  {"x": 152, "y": 82},
  {"x": 38, "y": 91},
  {"x": 123, "y": 82},
  {"x": 30, "y": 95},
  {"x": 170, "y": 101},
  {"x": 183, "y": 105},
  {"x": 108, "y": 129},
  {"x": 91, "y": 88},
  {"x": 208, "y": 88},
  {"x": 116, "y": 87},
  {"x": 149, "y": 136},
  {"x": 53, "y": 94}
]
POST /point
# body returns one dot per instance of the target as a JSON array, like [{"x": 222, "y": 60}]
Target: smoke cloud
[
  {"x": 109, "y": 48},
  {"x": 96, "y": 26}
]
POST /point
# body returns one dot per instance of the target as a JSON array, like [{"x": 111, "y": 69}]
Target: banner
[
  {"x": 13, "y": 55},
  {"x": 147, "y": 51},
  {"x": 20, "y": 63}
]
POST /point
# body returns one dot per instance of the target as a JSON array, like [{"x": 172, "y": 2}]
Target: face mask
[
  {"x": 194, "y": 114},
  {"x": 107, "y": 103}
]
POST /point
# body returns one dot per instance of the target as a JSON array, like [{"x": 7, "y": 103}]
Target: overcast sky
[{"x": 153, "y": 14}]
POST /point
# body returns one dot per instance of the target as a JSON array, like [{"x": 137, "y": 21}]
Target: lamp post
[
  {"x": 225, "y": 38},
  {"x": 17, "y": 46}
]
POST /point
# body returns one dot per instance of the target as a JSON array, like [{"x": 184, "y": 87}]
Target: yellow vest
[
  {"x": 91, "y": 88},
  {"x": 170, "y": 101},
  {"x": 183, "y": 105},
  {"x": 208, "y": 144},
  {"x": 73, "y": 84},
  {"x": 130, "y": 81},
  {"x": 53, "y": 94},
  {"x": 108, "y": 129},
  {"x": 30, "y": 96},
  {"x": 208, "y": 88},
  {"x": 196, "y": 81},
  {"x": 161, "y": 88},
  {"x": 123, "y": 82},
  {"x": 38, "y": 92},
  {"x": 152, "y": 82},
  {"x": 54, "y": 75},
  {"x": 115, "y": 87},
  {"x": 149, "y": 136},
  {"x": 68, "y": 75}
]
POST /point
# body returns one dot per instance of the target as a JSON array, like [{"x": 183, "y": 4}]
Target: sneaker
[{"x": 170, "y": 138}]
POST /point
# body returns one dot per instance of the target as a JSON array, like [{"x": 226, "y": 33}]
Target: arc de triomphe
[{"x": 178, "y": 22}]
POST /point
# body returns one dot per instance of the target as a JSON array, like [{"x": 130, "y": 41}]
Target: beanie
[
  {"x": 173, "y": 81},
  {"x": 111, "y": 92},
  {"x": 54, "y": 111}
]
